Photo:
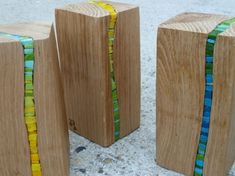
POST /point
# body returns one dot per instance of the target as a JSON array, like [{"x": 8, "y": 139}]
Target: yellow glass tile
[
  {"x": 30, "y": 120},
  {"x": 33, "y": 143},
  {"x": 36, "y": 167},
  {"x": 32, "y": 137},
  {"x": 28, "y": 81},
  {"x": 36, "y": 174},
  {"x": 35, "y": 162},
  {"x": 32, "y": 127},
  {"x": 35, "y": 157},
  {"x": 111, "y": 33},
  {"x": 29, "y": 109},
  {"x": 33, "y": 150},
  {"x": 29, "y": 114}
]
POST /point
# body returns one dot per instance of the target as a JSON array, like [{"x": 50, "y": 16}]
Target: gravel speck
[
  {"x": 82, "y": 170},
  {"x": 101, "y": 171},
  {"x": 79, "y": 149}
]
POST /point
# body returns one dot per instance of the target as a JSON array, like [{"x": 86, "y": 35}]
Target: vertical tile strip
[
  {"x": 29, "y": 103},
  {"x": 111, "y": 34},
  {"x": 208, "y": 96}
]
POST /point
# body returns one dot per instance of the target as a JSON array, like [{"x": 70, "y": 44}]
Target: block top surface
[
  {"x": 36, "y": 30},
  {"x": 198, "y": 22},
  {"x": 93, "y": 10}
]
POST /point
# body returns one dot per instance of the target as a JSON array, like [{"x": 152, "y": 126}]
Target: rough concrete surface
[{"x": 134, "y": 155}]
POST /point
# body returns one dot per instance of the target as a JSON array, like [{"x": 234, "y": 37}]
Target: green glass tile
[
  {"x": 28, "y": 94},
  {"x": 115, "y": 108},
  {"x": 200, "y": 157},
  {"x": 27, "y": 69},
  {"x": 28, "y": 46},
  {"x": 213, "y": 34},
  {"x": 209, "y": 53},
  {"x": 209, "y": 66},
  {"x": 117, "y": 136},
  {"x": 222, "y": 28},
  {"x": 113, "y": 85},
  {"x": 28, "y": 77},
  {"x": 209, "y": 71},
  {"x": 228, "y": 22},
  {"x": 117, "y": 126},
  {"x": 196, "y": 174},
  {"x": 209, "y": 49},
  {"x": 114, "y": 94},
  {"x": 29, "y": 57},
  {"x": 116, "y": 114},
  {"x": 29, "y": 86}
]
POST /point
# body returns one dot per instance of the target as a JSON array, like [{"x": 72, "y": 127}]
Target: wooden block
[
  {"x": 51, "y": 124},
  {"x": 83, "y": 40},
  {"x": 181, "y": 62}
]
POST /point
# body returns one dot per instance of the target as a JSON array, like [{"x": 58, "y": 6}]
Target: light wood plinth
[
  {"x": 50, "y": 110},
  {"x": 180, "y": 94},
  {"x": 82, "y": 31}
]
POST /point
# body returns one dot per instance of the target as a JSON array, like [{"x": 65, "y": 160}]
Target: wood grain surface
[
  {"x": 83, "y": 45},
  {"x": 180, "y": 93},
  {"x": 50, "y": 109}
]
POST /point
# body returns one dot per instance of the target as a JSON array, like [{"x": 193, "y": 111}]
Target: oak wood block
[
  {"x": 181, "y": 53},
  {"x": 50, "y": 109},
  {"x": 82, "y": 31}
]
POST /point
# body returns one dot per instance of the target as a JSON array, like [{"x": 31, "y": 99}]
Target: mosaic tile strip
[
  {"x": 208, "y": 96},
  {"x": 29, "y": 103},
  {"x": 111, "y": 34}
]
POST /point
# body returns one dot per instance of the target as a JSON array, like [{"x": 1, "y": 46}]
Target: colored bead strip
[
  {"x": 29, "y": 103},
  {"x": 204, "y": 134},
  {"x": 111, "y": 35}
]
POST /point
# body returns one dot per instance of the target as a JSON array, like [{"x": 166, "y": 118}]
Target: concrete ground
[{"x": 134, "y": 155}]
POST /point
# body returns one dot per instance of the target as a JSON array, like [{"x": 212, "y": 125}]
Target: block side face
[
  {"x": 14, "y": 148},
  {"x": 53, "y": 139},
  {"x": 84, "y": 68},
  {"x": 36, "y": 30},
  {"x": 6, "y": 40},
  {"x": 231, "y": 144},
  {"x": 221, "y": 116},
  {"x": 231, "y": 139},
  {"x": 194, "y": 22},
  {"x": 127, "y": 69},
  {"x": 180, "y": 91}
]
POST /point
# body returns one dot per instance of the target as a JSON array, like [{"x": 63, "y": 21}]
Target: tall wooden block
[
  {"x": 18, "y": 140},
  {"x": 196, "y": 94},
  {"x": 83, "y": 32}
]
